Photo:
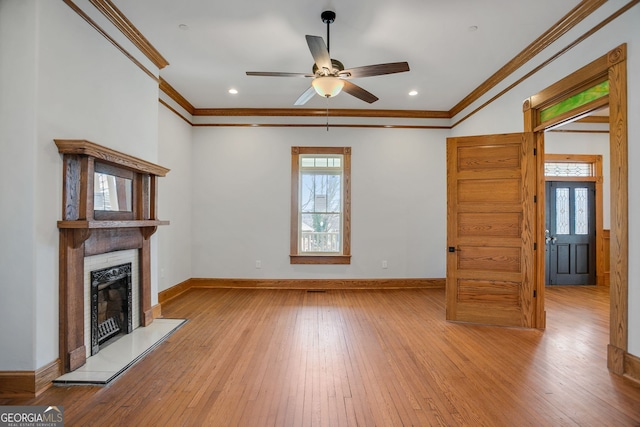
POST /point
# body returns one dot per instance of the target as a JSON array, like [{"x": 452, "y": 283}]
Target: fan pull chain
[{"x": 327, "y": 114}]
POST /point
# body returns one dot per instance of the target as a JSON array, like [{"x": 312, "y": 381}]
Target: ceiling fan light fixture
[{"x": 327, "y": 86}]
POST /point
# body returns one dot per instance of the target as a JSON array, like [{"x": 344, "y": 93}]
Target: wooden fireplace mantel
[
  {"x": 91, "y": 149},
  {"x": 85, "y": 231}
]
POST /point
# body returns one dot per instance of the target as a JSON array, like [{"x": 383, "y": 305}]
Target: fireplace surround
[{"x": 86, "y": 231}]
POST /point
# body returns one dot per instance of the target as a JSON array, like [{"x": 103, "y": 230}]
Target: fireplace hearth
[{"x": 111, "y": 305}]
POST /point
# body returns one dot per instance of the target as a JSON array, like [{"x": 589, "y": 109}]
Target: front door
[
  {"x": 570, "y": 233},
  {"x": 491, "y": 187}
]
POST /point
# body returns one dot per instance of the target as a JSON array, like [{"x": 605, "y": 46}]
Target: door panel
[
  {"x": 490, "y": 229},
  {"x": 571, "y": 238}
]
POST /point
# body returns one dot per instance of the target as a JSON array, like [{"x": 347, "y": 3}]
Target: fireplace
[
  {"x": 89, "y": 228},
  {"x": 111, "y": 305}
]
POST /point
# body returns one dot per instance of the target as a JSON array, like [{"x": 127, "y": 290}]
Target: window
[
  {"x": 320, "y": 205},
  {"x": 568, "y": 169}
]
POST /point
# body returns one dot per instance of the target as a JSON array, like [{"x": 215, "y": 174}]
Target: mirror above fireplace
[{"x": 111, "y": 193}]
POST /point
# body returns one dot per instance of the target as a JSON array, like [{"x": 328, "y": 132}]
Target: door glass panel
[
  {"x": 562, "y": 211},
  {"x": 582, "y": 210}
]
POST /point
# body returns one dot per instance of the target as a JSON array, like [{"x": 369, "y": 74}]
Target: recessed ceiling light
[
  {"x": 413, "y": 93},
  {"x": 233, "y": 91},
  {"x": 183, "y": 27}
]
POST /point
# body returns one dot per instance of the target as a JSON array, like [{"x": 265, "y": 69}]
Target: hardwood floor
[{"x": 365, "y": 358}]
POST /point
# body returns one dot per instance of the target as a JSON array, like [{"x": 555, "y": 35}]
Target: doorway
[
  {"x": 538, "y": 117},
  {"x": 570, "y": 233}
]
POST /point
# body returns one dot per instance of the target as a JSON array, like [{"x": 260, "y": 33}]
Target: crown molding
[
  {"x": 555, "y": 56},
  {"x": 315, "y": 112},
  {"x": 575, "y": 16},
  {"x": 570, "y": 20},
  {"x": 175, "y": 95},
  {"x": 316, "y": 125},
  {"x": 266, "y": 113},
  {"x": 106, "y": 35},
  {"x": 173, "y": 110},
  {"x": 113, "y": 14}
]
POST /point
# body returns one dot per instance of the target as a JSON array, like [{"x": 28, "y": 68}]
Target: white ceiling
[{"x": 448, "y": 60}]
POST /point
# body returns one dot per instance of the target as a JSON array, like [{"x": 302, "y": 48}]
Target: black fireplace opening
[{"x": 111, "y": 305}]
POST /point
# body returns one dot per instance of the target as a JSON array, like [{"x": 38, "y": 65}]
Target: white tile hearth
[{"x": 115, "y": 358}]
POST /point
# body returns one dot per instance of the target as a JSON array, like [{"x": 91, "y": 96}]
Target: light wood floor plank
[{"x": 362, "y": 358}]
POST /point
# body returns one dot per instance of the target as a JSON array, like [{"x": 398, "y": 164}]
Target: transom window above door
[{"x": 569, "y": 169}]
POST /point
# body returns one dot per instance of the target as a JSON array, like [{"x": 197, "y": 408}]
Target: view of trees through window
[{"x": 320, "y": 204}]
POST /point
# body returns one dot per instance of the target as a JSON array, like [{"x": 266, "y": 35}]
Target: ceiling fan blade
[
  {"x": 277, "y": 74},
  {"x": 358, "y": 92},
  {"x": 307, "y": 95},
  {"x": 319, "y": 52},
  {"x": 375, "y": 70}
]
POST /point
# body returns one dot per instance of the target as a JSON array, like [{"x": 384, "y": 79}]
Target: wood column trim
[
  {"x": 619, "y": 249},
  {"x": 71, "y": 297},
  {"x": 145, "y": 283},
  {"x": 615, "y": 359},
  {"x": 606, "y": 269}
]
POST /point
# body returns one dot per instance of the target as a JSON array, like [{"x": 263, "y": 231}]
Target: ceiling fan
[{"x": 329, "y": 75}]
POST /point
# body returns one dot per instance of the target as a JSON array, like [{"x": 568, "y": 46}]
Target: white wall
[
  {"x": 505, "y": 114},
  {"x": 174, "y": 200},
  {"x": 242, "y": 193},
  {"x": 77, "y": 85},
  {"x": 17, "y": 175}
]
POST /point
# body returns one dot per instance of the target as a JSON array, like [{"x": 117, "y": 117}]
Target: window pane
[
  {"x": 307, "y": 162},
  {"x": 321, "y": 163},
  {"x": 320, "y": 233},
  {"x": 320, "y": 192},
  {"x": 568, "y": 169},
  {"x": 582, "y": 210},
  {"x": 562, "y": 211}
]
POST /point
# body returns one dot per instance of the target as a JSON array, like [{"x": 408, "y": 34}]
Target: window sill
[{"x": 320, "y": 259}]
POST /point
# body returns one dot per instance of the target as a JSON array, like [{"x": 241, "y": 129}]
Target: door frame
[
  {"x": 611, "y": 66},
  {"x": 597, "y": 178}
]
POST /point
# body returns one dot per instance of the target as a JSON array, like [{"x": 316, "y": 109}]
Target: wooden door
[
  {"x": 570, "y": 241},
  {"x": 491, "y": 191}
]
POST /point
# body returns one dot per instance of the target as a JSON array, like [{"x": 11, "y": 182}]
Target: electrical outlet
[
  {"x": 258, "y": 264},
  {"x": 384, "y": 263}
]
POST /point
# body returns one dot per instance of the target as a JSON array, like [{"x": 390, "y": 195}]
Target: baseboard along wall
[{"x": 302, "y": 284}]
